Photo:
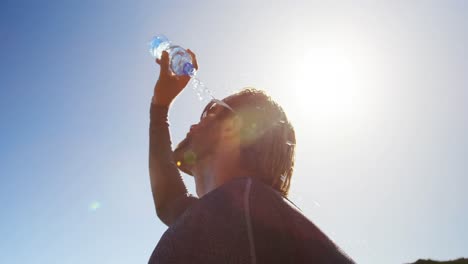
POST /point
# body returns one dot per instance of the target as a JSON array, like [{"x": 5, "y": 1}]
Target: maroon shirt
[{"x": 242, "y": 221}]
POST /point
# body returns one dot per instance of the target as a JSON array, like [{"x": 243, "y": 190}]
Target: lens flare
[{"x": 95, "y": 205}]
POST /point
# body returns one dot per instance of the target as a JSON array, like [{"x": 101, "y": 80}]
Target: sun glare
[{"x": 328, "y": 87}]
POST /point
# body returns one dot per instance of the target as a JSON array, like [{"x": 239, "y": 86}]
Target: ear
[{"x": 231, "y": 128}]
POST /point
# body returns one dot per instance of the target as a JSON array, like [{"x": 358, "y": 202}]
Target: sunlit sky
[{"x": 377, "y": 92}]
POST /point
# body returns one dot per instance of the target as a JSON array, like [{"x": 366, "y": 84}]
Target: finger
[
  {"x": 194, "y": 59},
  {"x": 164, "y": 62}
]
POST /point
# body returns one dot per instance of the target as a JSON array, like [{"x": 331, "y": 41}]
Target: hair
[{"x": 268, "y": 139}]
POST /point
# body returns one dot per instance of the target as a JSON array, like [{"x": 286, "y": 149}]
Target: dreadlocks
[{"x": 267, "y": 138}]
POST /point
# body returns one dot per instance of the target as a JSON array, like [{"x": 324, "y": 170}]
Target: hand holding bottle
[{"x": 170, "y": 85}]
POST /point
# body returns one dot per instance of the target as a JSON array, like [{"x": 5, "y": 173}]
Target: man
[{"x": 241, "y": 155}]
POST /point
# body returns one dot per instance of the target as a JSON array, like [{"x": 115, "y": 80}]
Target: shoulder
[
  {"x": 278, "y": 225},
  {"x": 221, "y": 208},
  {"x": 222, "y": 212},
  {"x": 209, "y": 230}
]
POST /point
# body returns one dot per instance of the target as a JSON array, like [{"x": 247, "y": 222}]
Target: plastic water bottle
[
  {"x": 180, "y": 60},
  {"x": 180, "y": 63}
]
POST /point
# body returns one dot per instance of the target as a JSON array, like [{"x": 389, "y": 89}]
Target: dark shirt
[{"x": 242, "y": 221}]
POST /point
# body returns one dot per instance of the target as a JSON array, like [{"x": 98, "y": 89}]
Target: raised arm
[{"x": 169, "y": 192}]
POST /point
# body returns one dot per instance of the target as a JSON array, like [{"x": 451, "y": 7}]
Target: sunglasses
[{"x": 212, "y": 106}]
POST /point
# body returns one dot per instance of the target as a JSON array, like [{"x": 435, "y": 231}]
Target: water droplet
[{"x": 201, "y": 90}]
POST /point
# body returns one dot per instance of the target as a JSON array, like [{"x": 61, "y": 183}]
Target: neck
[{"x": 216, "y": 170}]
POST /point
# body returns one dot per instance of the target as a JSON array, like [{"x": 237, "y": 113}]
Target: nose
[{"x": 192, "y": 128}]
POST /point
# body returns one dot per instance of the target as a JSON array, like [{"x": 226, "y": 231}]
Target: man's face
[{"x": 203, "y": 138}]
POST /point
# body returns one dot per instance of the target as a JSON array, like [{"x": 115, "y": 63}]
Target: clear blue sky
[{"x": 377, "y": 92}]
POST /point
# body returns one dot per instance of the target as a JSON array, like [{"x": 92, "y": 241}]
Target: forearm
[{"x": 169, "y": 191}]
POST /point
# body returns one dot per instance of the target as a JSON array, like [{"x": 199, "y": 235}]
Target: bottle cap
[{"x": 189, "y": 69}]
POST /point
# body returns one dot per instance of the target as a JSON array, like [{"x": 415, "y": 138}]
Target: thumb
[{"x": 194, "y": 59}]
